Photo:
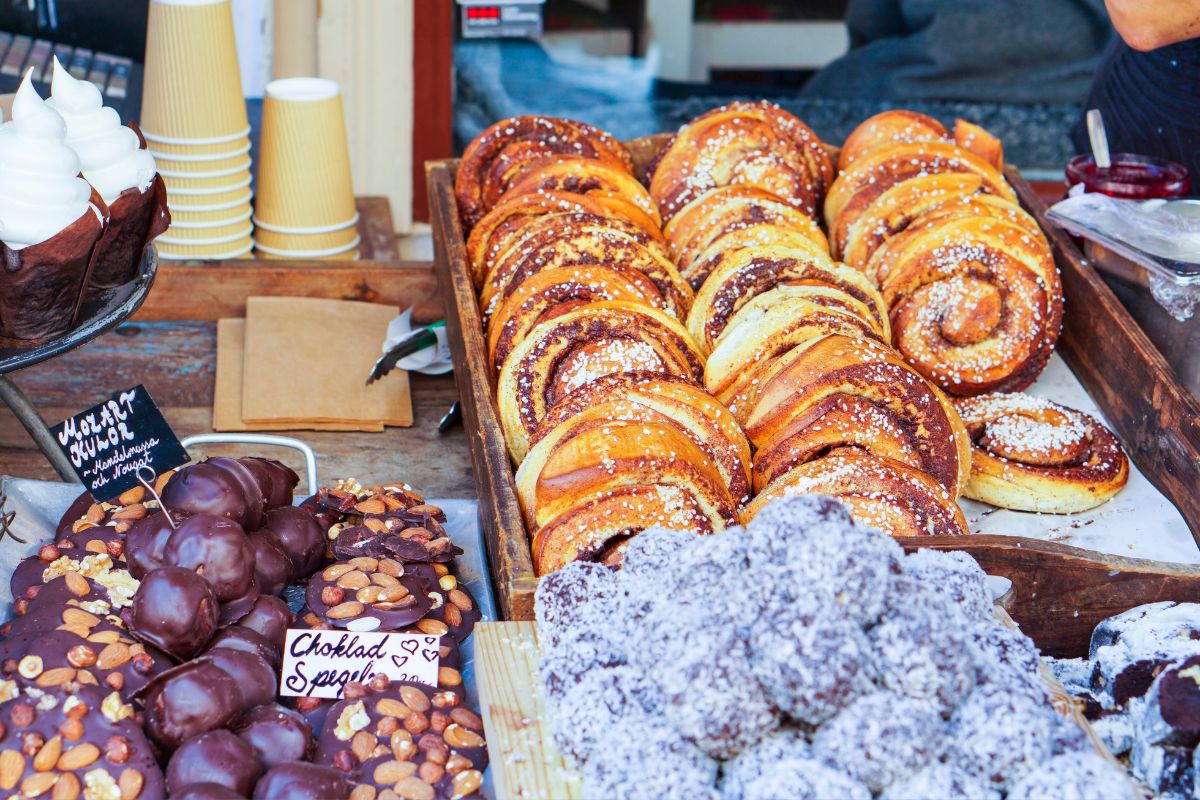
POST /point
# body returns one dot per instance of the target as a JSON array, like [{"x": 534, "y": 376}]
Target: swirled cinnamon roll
[
  {"x": 879, "y": 169},
  {"x": 1031, "y": 454},
  {"x": 842, "y": 392},
  {"x": 775, "y": 321},
  {"x": 976, "y": 302},
  {"x": 570, "y": 351},
  {"x": 495, "y": 233},
  {"x": 582, "y": 176},
  {"x": 662, "y": 400},
  {"x": 568, "y": 240},
  {"x": 599, "y": 457},
  {"x": 722, "y": 211},
  {"x": 752, "y": 144},
  {"x": 884, "y": 494},
  {"x": 554, "y": 292},
  {"x": 494, "y": 157},
  {"x": 889, "y": 127},
  {"x": 739, "y": 275}
]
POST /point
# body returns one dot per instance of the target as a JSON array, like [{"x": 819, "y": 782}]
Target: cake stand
[{"x": 100, "y": 314}]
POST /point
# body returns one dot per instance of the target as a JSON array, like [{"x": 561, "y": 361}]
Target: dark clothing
[
  {"x": 1150, "y": 102},
  {"x": 999, "y": 51}
]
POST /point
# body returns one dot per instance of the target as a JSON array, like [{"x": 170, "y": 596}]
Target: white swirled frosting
[
  {"x": 111, "y": 153},
  {"x": 40, "y": 189}
]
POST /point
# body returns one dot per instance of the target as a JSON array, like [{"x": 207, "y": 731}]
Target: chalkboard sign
[{"x": 109, "y": 443}]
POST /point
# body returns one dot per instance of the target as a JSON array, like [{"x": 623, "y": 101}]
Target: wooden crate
[{"x": 1060, "y": 592}]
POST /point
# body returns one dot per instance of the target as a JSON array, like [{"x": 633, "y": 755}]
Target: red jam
[{"x": 1131, "y": 177}]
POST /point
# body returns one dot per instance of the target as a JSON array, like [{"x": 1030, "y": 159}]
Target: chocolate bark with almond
[
  {"x": 110, "y": 659},
  {"x": 370, "y": 594}
]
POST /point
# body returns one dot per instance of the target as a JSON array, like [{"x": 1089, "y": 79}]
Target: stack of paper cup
[
  {"x": 194, "y": 121},
  {"x": 305, "y": 205}
]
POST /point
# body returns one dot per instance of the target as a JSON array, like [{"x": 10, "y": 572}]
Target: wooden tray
[
  {"x": 1059, "y": 592},
  {"x": 524, "y": 760}
]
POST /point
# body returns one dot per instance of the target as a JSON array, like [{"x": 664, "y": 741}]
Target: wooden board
[
  {"x": 1161, "y": 436},
  {"x": 521, "y": 753}
]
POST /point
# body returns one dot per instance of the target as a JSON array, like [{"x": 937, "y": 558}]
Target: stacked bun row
[
  {"x": 754, "y": 291},
  {"x": 144, "y": 655}
]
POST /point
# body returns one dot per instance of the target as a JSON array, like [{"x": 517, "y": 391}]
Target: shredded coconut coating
[
  {"x": 602, "y": 698},
  {"x": 954, "y": 575},
  {"x": 998, "y": 736},
  {"x": 643, "y": 758},
  {"x": 924, "y": 655},
  {"x": 881, "y": 738},
  {"x": 938, "y": 781},
  {"x": 1074, "y": 776},
  {"x": 785, "y": 744},
  {"x": 803, "y": 779}
]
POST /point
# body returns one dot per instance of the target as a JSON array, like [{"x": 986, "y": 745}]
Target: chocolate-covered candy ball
[
  {"x": 277, "y": 480},
  {"x": 205, "y": 489},
  {"x": 146, "y": 544},
  {"x": 175, "y": 610},
  {"x": 194, "y": 698},
  {"x": 217, "y": 549},
  {"x": 256, "y": 500},
  {"x": 272, "y": 566},
  {"x": 256, "y": 677},
  {"x": 248, "y": 641},
  {"x": 278, "y": 734},
  {"x": 206, "y": 791},
  {"x": 301, "y": 781},
  {"x": 300, "y": 537},
  {"x": 233, "y": 610},
  {"x": 215, "y": 757},
  {"x": 270, "y": 618}
]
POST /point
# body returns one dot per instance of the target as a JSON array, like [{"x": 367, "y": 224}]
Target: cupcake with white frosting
[
  {"x": 115, "y": 161},
  {"x": 50, "y": 221}
]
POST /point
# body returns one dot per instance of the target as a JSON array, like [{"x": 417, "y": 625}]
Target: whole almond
[
  {"x": 392, "y": 503},
  {"x": 364, "y": 791},
  {"x": 457, "y": 763},
  {"x": 452, "y": 616},
  {"x": 335, "y": 571},
  {"x": 448, "y": 676},
  {"x": 364, "y": 563},
  {"x": 96, "y": 546},
  {"x": 432, "y": 627},
  {"x": 384, "y": 580},
  {"x": 367, "y": 594},
  {"x": 465, "y": 783},
  {"x": 391, "y": 707},
  {"x": 392, "y": 594},
  {"x": 375, "y": 524},
  {"x": 67, "y": 788},
  {"x": 162, "y": 480},
  {"x": 77, "y": 616},
  {"x": 414, "y": 698},
  {"x": 467, "y": 718},
  {"x": 38, "y": 783},
  {"x": 132, "y": 512},
  {"x": 461, "y": 599},
  {"x": 95, "y": 513},
  {"x": 47, "y": 757},
  {"x": 431, "y": 773},
  {"x": 393, "y": 771},
  {"x": 389, "y": 566},
  {"x": 77, "y": 584},
  {"x": 79, "y": 756},
  {"x": 130, "y": 496},
  {"x": 458, "y": 736},
  {"x": 372, "y": 506},
  {"x": 81, "y": 525},
  {"x": 363, "y": 744},
  {"x": 353, "y": 580},
  {"x": 12, "y": 767},
  {"x": 113, "y": 655},
  {"x": 413, "y": 788},
  {"x": 351, "y": 608},
  {"x": 56, "y": 677},
  {"x": 105, "y": 637},
  {"x": 130, "y": 783}
]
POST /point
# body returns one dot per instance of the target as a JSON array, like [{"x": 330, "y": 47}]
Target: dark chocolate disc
[
  {"x": 66, "y": 616},
  {"x": 299, "y": 536},
  {"x": 146, "y": 543},
  {"x": 205, "y": 489},
  {"x": 417, "y": 544},
  {"x": 330, "y": 506},
  {"x": 454, "y": 607},
  {"x": 59, "y": 591},
  {"x": 103, "y": 540},
  {"x": 277, "y": 734},
  {"x": 191, "y": 699},
  {"x": 41, "y": 583},
  {"x": 270, "y": 618},
  {"x": 272, "y": 567},
  {"x": 443, "y": 731},
  {"x": 252, "y": 490},
  {"x": 91, "y": 724},
  {"x": 215, "y": 757},
  {"x": 175, "y": 610},
  {"x": 256, "y": 677},
  {"x": 217, "y": 549},
  {"x": 368, "y": 594},
  {"x": 109, "y": 659},
  {"x": 249, "y": 641},
  {"x": 300, "y": 781}
]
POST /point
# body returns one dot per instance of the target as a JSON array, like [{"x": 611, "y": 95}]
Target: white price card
[{"x": 320, "y": 663}]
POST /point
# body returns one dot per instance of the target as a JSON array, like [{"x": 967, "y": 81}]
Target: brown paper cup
[
  {"x": 221, "y": 180},
  {"x": 223, "y": 235},
  {"x": 41, "y": 286},
  {"x": 304, "y": 176},
  {"x": 175, "y": 252},
  {"x": 134, "y": 220},
  {"x": 305, "y": 241},
  {"x": 200, "y": 152},
  {"x": 349, "y": 255},
  {"x": 220, "y": 166},
  {"x": 210, "y": 219},
  {"x": 192, "y": 88},
  {"x": 339, "y": 253},
  {"x": 222, "y": 201}
]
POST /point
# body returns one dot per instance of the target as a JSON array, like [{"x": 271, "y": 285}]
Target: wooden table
[{"x": 170, "y": 347}]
